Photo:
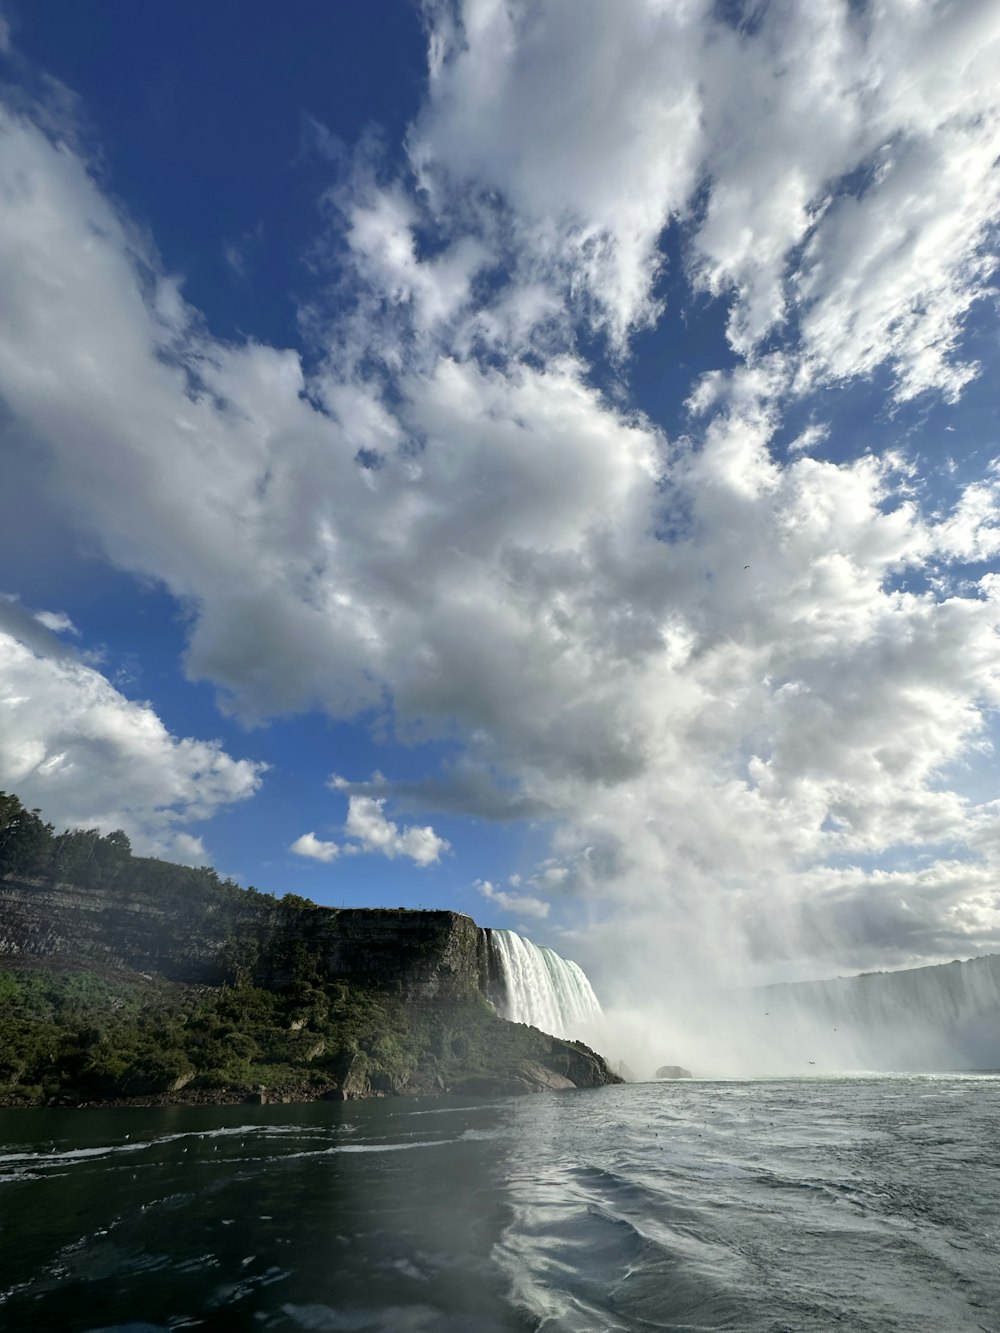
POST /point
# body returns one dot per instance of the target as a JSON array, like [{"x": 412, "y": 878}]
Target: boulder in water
[{"x": 673, "y": 1071}]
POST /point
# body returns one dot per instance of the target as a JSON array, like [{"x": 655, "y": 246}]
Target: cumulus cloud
[
  {"x": 589, "y": 130},
  {"x": 370, "y": 830},
  {"x": 832, "y": 166},
  {"x": 523, "y": 903},
  {"x": 57, "y": 621},
  {"x": 374, "y": 832},
  {"x": 723, "y": 677},
  {"x": 315, "y": 849},
  {"x": 71, "y": 744}
]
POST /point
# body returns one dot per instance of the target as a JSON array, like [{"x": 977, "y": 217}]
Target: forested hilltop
[{"x": 127, "y": 978}]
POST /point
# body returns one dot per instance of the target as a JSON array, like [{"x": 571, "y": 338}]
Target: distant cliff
[{"x": 192, "y": 989}]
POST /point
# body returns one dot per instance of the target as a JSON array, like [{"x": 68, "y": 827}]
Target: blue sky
[{"x": 531, "y": 458}]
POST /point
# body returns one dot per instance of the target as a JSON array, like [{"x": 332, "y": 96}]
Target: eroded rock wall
[{"x": 422, "y": 956}]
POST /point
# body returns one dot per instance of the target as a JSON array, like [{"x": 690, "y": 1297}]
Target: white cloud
[
  {"x": 367, "y": 823},
  {"x": 590, "y": 130},
  {"x": 57, "y": 621},
  {"x": 524, "y": 903},
  {"x": 187, "y": 849},
  {"x": 87, "y": 756},
  {"x": 719, "y": 675},
  {"x": 314, "y": 848},
  {"x": 833, "y": 166},
  {"x": 551, "y": 877}
]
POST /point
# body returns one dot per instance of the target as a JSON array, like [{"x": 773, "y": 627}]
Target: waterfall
[
  {"x": 938, "y": 1017},
  {"x": 538, "y": 987}
]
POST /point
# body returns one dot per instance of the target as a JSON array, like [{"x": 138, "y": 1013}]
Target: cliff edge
[{"x": 181, "y": 987}]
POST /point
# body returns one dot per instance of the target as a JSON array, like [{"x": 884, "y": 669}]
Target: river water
[{"x": 847, "y": 1204}]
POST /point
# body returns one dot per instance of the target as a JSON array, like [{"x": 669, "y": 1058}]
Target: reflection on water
[
  {"x": 322, "y": 1216},
  {"x": 788, "y": 1205}
]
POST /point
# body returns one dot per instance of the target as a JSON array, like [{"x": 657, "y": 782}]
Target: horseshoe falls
[
  {"x": 922, "y": 1018},
  {"x": 533, "y": 985}
]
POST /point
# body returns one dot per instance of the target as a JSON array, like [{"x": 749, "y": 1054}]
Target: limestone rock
[
  {"x": 351, "y": 1074},
  {"x": 421, "y": 956}
]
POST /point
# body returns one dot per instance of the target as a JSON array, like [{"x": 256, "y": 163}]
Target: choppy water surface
[{"x": 861, "y": 1204}]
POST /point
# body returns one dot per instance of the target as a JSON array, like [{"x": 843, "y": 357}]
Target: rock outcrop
[
  {"x": 422, "y": 956},
  {"x": 672, "y": 1071},
  {"x": 373, "y": 1002}
]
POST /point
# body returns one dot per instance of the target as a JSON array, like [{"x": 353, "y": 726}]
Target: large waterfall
[
  {"x": 942, "y": 1017},
  {"x": 536, "y": 986}
]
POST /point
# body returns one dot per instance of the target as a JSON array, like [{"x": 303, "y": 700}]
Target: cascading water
[
  {"x": 538, "y": 987},
  {"x": 942, "y": 1017}
]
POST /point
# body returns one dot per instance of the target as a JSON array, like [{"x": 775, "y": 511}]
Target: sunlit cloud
[
  {"x": 315, "y": 849},
  {"x": 524, "y": 903},
  {"x": 728, "y": 675},
  {"x": 374, "y": 832},
  {"x": 71, "y": 744}
]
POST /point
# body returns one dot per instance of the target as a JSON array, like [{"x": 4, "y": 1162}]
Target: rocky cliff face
[
  {"x": 357, "y": 1002},
  {"x": 421, "y": 956}
]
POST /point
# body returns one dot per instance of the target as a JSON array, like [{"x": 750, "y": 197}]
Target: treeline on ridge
[{"x": 30, "y": 848}]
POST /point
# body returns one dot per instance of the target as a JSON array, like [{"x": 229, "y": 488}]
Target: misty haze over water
[{"x": 918, "y": 1019}]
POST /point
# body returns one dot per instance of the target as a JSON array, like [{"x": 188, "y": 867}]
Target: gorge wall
[{"x": 208, "y": 940}]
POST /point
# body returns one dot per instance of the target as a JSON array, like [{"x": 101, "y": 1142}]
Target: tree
[
  {"x": 25, "y": 841},
  {"x": 85, "y": 857},
  {"x": 74, "y": 855},
  {"x": 113, "y": 856}
]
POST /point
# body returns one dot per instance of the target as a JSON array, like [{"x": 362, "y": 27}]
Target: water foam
[{"x": 538, "y": 987}]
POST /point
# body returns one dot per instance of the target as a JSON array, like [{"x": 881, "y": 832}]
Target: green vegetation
[
  {"x": 32, "y": 849},
  {"x": 85, "y": 1037}
]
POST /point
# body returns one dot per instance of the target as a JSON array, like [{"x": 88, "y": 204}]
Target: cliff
[
  {"x": 212, "y": 939},
  {"x": 182, "y": 987}
]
